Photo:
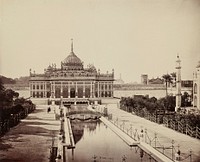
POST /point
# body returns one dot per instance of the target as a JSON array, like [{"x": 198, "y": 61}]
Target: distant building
[
  {"x": 144, "y": 79},
  {"x": 156, "y": 81},
  {"x": 196, "y": 87},
  {"x": 71, "y": 82},
  {"x": 187, "y": 83},
  {"x": 119, "y": 80}
]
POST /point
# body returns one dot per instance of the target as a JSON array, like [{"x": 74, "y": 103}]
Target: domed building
[{"x": 71, "y": 82}]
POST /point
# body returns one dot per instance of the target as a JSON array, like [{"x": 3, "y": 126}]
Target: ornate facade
[{"x": 71, "y": 81}]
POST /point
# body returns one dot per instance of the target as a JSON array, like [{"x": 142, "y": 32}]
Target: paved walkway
[
  {"x": 165, "y": 135},
  {"x": 31, "y": 140}
]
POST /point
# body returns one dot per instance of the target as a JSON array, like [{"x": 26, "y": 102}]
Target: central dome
[
  {"x": 72, "y": 59},
  {"x": 72, "y": 62}
]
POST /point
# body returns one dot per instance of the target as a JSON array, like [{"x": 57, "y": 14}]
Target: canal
[{"x": 96, "y": 142}]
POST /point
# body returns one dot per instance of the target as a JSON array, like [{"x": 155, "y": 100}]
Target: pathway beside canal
[
  {"x": 164, "y": 135},
  {"x": 31, "y": 140}
]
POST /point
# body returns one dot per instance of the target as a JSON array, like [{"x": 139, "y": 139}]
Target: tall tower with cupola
[
  {"x": 196, "y": 87},
  {"x": 178, "y": 83}
]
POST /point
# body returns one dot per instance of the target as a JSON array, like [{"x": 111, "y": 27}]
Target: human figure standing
[{"x": 141, "y": 136}]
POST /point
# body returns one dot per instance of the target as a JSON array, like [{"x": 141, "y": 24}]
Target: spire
[
  {"x": 72, "y": 45},
  {"x": 178, "y": 55},
  {"x": 178, "y": 58}
]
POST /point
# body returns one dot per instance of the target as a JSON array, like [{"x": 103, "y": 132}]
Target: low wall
[
  {"x": 110, "y": 101},
  {"x": 40, "y": 101}
]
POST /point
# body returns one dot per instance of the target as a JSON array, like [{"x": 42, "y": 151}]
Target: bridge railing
[
  {"x": 182, "y": 127},
  {"x": 168, "y": 150},
  {"x": 166, "y": 119},
  {"x": 82, "y": 112}
]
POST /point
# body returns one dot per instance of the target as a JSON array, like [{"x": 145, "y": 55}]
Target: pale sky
[{"x": 133, "y": 37}]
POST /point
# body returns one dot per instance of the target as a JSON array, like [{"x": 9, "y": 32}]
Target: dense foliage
[
  {"x": 10, "y": 103},
  {"x": 150, "y": 104},
  {"x": 165, "y": 105},
  {"x": 6, "y": 80}
]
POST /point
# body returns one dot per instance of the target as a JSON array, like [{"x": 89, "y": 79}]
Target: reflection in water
[
  {"x": 79, "y": 126},
  {"x": 95, "y": 142}
]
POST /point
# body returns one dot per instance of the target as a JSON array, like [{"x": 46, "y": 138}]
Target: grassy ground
[{"x": 31, "y": 140}]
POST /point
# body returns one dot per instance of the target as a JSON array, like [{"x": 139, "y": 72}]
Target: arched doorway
[
  {"x": 57, "y": 92},
  {"x": 80, "y": 92},
  {"x": 72, "y": 93},
  {"x": 106, "y": 94},
  {"x": 65, "y": 92},
  {"x": 87, "y": 92}
]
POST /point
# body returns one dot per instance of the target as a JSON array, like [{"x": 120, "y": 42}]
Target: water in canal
[{"x": 96, "y": 142}]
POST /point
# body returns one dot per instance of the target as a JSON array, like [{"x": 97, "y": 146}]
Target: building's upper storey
[{"x": 72, "y": 68}]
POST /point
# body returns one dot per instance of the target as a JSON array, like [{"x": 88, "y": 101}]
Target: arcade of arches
[{"x": 78, "y": 89}]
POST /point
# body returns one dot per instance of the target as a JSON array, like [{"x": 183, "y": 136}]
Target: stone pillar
[
  {"x": 111, "y": 89},
  {"x": 76, "y": 90},
  {"x": 54, "y": 90},
  {"x": 91, "y": 90},
  {"x": 178, "y": 83},
  {"x": 51, "y": 89},
  {"x": 94, "y": 90},
  {"x": 61, "y": 89},
  {"x": 45, "y": 89},
  {"x": 104, "y": 88},
  {"x": 68, "y": 89},
  {"x": 83, "y": 89},
  {"x": 53, "y": 93},
  {"x": 98, "y": 89},
  {"x": 111, "y": 85},
  {"x": 31, "y": 86}
]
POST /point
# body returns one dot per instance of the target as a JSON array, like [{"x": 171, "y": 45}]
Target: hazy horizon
[{"x": 133, "y": 37}]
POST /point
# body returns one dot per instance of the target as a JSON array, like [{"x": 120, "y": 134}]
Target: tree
[
  {"x": 168, "y": 79},
  {"x": 168, "y": 103},
  {"x": 185, "y": 100},
  {"x": 173, "y": 75}
]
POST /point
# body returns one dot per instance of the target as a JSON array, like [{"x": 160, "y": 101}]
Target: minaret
[{"x": 178, "y": 83}]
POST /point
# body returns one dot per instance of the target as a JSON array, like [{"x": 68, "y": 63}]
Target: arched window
[
  {"x": 106, "y": 94},
  {"x": 38, "y": 95},
  {"x": 87, "y": 92},
  {"x": 195, "y": 88}
]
